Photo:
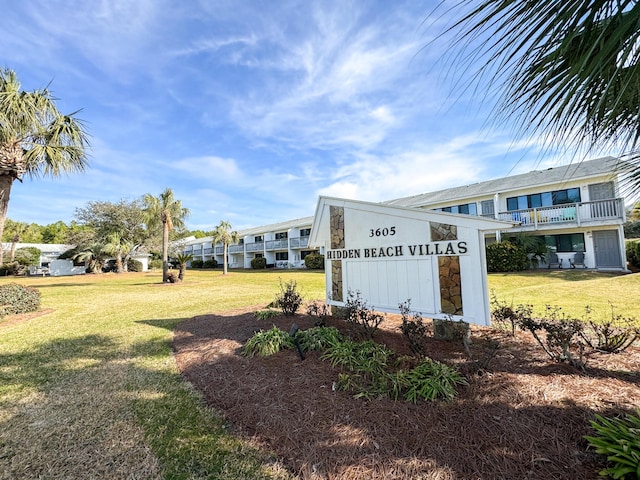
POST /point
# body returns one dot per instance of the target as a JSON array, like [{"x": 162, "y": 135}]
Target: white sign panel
[{"x": 390, "y": 255}]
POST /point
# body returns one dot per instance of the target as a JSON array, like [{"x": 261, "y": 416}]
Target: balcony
[
  {"x": 236, "y": 248},
  {"x": 568, "y": 215},
  {"x": 208, "y": 251},
  {"x": 282, "y": 244},
  {"x": 299, "y": 242},
  {"x": 255, "y": 247},
  {"x": 219, "y": 250}
]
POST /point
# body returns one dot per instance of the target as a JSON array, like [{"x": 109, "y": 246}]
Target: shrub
[
  {"x": 360, "y": 315},
  {"x": 196, "y": 263},
  {"x": 12, "y": 268},
  {"x": 506, "y": 257},
  {"x": 633, "y": 253},
  {"x": 28, "y": 256},
  {"x": 212, "y": 263},
  {"x": 320, "y": 310},
  {"x": 259, "y": 263},
  {"x": 267, "y": 342},
  {"x": 265, "y": 314},
  {"x": 413, "y": 328},
  {"x": 613, "y": 335},
  {"x": 155, "y": 264},
  {"x": 618, "y": 439},
  {"x": 135, "y": 265},
  {"x": 503, "y": 315},
  {"x": 289, "y": 299},
  {"x": 314, "y": 261},
  {"x": 16, "y": 298}
]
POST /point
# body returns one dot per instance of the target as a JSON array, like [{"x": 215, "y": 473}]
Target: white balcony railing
[
  {"x": 299, "y": 242},
  {"x": 570, "y": 213},
  {"x": 255, "y": 247},
  {"x": 281, "y": 244}
]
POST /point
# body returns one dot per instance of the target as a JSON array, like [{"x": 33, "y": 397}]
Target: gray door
[{"x": 607, "y": 249}]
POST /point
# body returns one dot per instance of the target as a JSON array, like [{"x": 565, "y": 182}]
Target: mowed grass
[{"x": 91, "y": 390}]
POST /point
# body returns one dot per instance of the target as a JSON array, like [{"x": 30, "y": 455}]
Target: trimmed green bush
[
  {"x": 135, "y": 265},
  {"x": 197, "y": 263},
  {"x": 259, "y": 263},
  {"x": 314, "y": 261},
  {"x": 209, "y": 263},
  {"x": 506, "y": 257},
  {"x": 633, "y": 253},
  {"x": 28, "y": 256},
  {"x": 15, "y": 298},
  {"x": 155, "y": 264}
]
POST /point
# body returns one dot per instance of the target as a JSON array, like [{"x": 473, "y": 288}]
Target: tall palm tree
[
  {"x": 223, "y": 234},
  {"x": 569, "y": 71},
  {"x": 35, "y": 138},
  {"x": 167, "y": 212}
]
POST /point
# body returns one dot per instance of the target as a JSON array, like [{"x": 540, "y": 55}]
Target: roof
[{"x": 573, "y": 171}]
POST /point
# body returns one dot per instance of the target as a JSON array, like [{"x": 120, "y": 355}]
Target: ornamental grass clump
[
  {"x": 319, "y": 338},
  {"x": 618, "y": 439},
  {"x": 431, "y": 380},
  {"x": 267, "y": 342}
]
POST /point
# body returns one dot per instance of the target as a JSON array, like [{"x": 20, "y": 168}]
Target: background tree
[
  {"x": 35, "y": 138},
  {"x": 166, "y": 213},
  {"x": 118, "y": 247},
  {"x": 567, "y": 71},
  {"x": 57, "y": 232},
  {"x": 93, "y": 256},
  {"x": 223, "y": 234}
]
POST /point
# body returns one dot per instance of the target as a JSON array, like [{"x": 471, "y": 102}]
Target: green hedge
[
  {"x": 506, "y": 257},
  {"x": 197, "y": 263},
  {"x": 135, "y": 265},
  {"x": 16, "y": 298},
  {"x": 633, "y": 253},
  {"x": 258, "y": 263},
  {"x": 210, "y": 263},
  {"x": 314, "y": 261}
]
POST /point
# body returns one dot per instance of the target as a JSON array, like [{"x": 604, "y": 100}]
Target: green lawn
[{"x": 90, "y": 390}]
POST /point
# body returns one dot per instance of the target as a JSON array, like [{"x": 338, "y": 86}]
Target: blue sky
[{"x": 249, "y": 110}]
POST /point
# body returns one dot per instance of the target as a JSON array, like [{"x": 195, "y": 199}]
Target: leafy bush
[
  {"x": 28, "y": 256},
  {"x": 12, "y": 268},
  {"x": 613, "y": 335},
  {"x": 360, "y": 315},
  {"x": 212, "y": 263},
  {"x": 135, "y": 265},
  {"x": 431, "y": 380},
  {"x": 267, "y": 342},
  {"x": 289, "y": 299},
  {"x": 619, "y": 440},
  {"x": 265, "y": 314},
  {"x": 320, "y": 310},
  {"x": 16, "y": 298},
  {"x": 633, "y": 253},
  {"x": 506, "y": 257},
  {"x": 196, "y": 263},
  {"x": 413, "y": 328},
  {"x": 259, "y": 263},
  {"x": 319, "y": 338},
  {"x": 155, "y": 264},
  {"x": 314, "y": 261}
]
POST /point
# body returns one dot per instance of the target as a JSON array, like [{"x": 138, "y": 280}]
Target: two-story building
[{"x": 573, "y": 209}]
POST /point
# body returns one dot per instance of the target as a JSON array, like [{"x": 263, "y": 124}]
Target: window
[
  {"x": 304, "y": 253},
  {"x": 258, "y": 255},
  {"x": 305, "y": 232},
  {"x": 545, "y": 199},
  {"x": 487, "y": 208},
  {"x": 257, "y": 238},
  {"x": 569, "y": 242},
  {"x": 466, "y": 208},
  {"x": 281, "y": 235},
  {"x": 282, "y": 255}
]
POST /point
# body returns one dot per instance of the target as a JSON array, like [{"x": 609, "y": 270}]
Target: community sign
[{"x": 389, "y": 255}]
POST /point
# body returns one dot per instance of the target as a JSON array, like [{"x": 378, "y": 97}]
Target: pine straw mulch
[{"x": 521, "y": 417}]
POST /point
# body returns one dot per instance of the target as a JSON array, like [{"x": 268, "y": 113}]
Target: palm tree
[
  {"x": 167, "y": 212},
  {"x": 118, "y": 247},
  {"x": 16, "y": 231},
  {"x": 569, "y": 71},
  {"x": 183, "y": 259},
  {"x": 223, "y": 234},
  {"x": 35, "y": 138},
  {"x": 93, "y": 256}
]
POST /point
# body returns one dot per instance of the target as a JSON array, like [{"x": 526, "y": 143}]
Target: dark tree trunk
[{"x": 6, "y": 182}]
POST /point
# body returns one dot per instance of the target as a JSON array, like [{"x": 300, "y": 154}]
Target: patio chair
[
  {"x": 578, "y": 260},
  {"x": 552, "y": 260}
]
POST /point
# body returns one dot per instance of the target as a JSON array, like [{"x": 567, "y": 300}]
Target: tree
[
  {"x": 57, "y": 232},
  {"x": 166, "y": 212},
  {"x": 223, "y": 234},
  {"x": 569, "y": 71},
  {"x": 92, "y": 256},
  {"x": 118, "y": 247},
  {"x": 183, "y": 259},
  {"x": 35, "y": 138}
]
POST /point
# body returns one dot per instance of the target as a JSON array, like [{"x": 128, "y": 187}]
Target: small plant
[
  {"x": 196, "y": 263},
  {"x": 619, "y": 440},
  {"x": 431, "y": 380},
  {"x": 267, "y": 342},
  {"x": 360, "y": 315},
  {"x": 503, "y": 315},
  {"x": 413, "y": 328},
  {"x": 289, "y": 299},
  {"x": 320, "y": 310},
  {"x": 259, "y": 263},
  {"x": 15, "y": 298},
  {"x": 614, "y": 335},
  {"x": 562, "y": 334},
  {"x": 212, "y": 263},
  {"x": 265, "y": 314},
  {"x": 314, "y": 261},
  {"x": 319, "y": 338}
]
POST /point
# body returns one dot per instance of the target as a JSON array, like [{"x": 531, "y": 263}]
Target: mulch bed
[{"x": 521, "y": 417}]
